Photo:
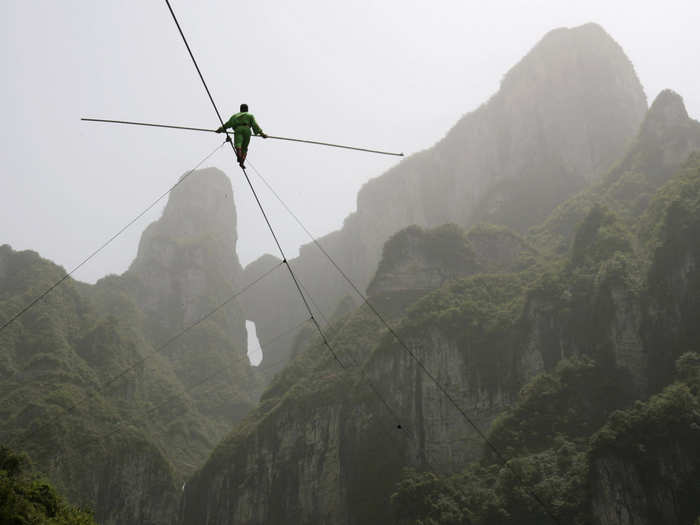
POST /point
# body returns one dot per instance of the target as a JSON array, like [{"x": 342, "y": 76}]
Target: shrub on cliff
[{"x": 26, "y": 499}]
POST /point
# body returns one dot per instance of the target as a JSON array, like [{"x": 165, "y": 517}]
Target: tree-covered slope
[
  {"x": 538, "y": 353},
  {"x": 26, "y": 498},
  {"x": 322, "y": 425},
  {"x": 665, "y": 140},
  {"x": 575, "y": 438},
  {"x": 586, "y": 463},
  {"x": 54, "y": 357},
  {"x": 120, "y": 390}
]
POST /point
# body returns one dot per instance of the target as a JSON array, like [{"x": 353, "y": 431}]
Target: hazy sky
[{"x": 382, "y": 74}]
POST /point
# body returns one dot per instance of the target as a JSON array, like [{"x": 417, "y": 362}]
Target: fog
[{"x": 390, "y": 75}]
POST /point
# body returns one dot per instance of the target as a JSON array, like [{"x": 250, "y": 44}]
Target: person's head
[{"x": 244, "y": 107}]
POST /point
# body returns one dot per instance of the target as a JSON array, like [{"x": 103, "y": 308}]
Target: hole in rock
[{"x": 255, "y": 354}]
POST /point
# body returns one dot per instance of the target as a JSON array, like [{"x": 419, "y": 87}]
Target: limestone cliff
[
  {"x": 55, "y": 360},
  {"x": 645, "y": 462},
  {"x": 122, "y": 443},
  {"x": 417, "y": 261},
  {"x": 665, "y": 140},
  {"x": 328, "y": 443},
  {"x": 575, "y": 435},
  {"x": 187, "y": 259},
  {"x": 186, "y": 266},
  {"x": 322, "y": 448},
  {"x": 562, "y": 116}
]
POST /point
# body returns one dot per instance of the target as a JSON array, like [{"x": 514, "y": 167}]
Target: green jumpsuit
[{"x": 241, "y": 124}]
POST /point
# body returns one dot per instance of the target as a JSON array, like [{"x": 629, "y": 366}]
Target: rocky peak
[
  {"x": 667, "y": 137},
  {"x": 200, "y": 205},
  {"x": 498, "y": 249},
  {"x": 417, "y": 261},
  {"x": 563, "y": 115},
  {"x": 667, "y": 112},
  {"x": 186, "y": 259}
]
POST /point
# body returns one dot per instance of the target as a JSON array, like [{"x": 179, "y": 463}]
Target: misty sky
[{"x": 383, "y": 74}]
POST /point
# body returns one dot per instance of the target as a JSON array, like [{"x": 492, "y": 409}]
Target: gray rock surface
[{"x": 562, "y": 116}]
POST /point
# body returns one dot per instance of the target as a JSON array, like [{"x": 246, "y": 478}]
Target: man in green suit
[{"x": 241, "y": 123}]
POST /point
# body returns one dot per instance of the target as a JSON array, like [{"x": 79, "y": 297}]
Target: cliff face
[
  {"x": 620, "y": 305},
  {"x": 665, "y": 140},
  {"x": 673, "y": 276},
  {"x": 560, "y": 119},
  {"x": 633, "y": 328},
  {"x": 322, "y": 448},
  {"x": 186, "y": 267},
  {"x": 645, "y": 462},
  {"x": 187, "y": 259},
  {"x": 569, "y": 433},
  {"x": 417, "y": 261},
  {"x": 134, "y": 485},
  {"x": 55, "y": 359},
  {"x": 132, "y": 438}
]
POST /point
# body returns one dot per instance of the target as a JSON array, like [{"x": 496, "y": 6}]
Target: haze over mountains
[
  {"x": 541, "y": 261},
  {"x": 142, "y": 379},
  {"x": 563, "y": 115}
]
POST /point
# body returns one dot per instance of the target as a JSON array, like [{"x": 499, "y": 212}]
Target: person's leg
[
  {"x": 244, "y": 147},
  {"x": 238, "y": 139}
]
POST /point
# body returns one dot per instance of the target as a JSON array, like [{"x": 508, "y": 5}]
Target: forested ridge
[
  {"x": 578, "y": 363},
  {"x": 547, "y": 364}
]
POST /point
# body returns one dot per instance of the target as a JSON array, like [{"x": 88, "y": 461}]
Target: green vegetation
[
  {"x": 578, "y": 309},
  {"x": 632, "y": 187},
  {"x": 671, "y": 231},
  {"x": 553, "y": 455},
  {"x": 598, "y": 238},
  {"x": 27, "y": 499},
  {"x": 65, "y": 400},
  {"x": 446, "y": 244},
  {"x": 599, "y": 301},
  {"x": 570, "y": 426},
  {"x": 571, "y": 402}
]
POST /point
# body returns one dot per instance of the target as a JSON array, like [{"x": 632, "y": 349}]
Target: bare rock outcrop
[{"x": 562, "y": 116}]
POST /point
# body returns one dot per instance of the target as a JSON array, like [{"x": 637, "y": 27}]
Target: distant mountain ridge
[
  {"x": 665, "y": 139},
  {"x": 578, "y": 365},
  {"x": 562, "y": 116},
  {"x": 590, "y": 278}
]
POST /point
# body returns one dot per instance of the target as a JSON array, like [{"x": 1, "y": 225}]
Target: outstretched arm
[
  {"x": 226, "y": 125},
  {"x": 257, "y": 129}
]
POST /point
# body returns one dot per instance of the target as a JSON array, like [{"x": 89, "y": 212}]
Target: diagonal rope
[
  {"x": 379, "y": 316},
  {"x": 79, "y": 448},
  {"x": 306, "y": 304},
  {"x": 501, "y": 458},
  {"x": 199, "y": 72},
  {"x": 105, "y": 244},
  {"x": 267, "y": 220},
  {"x": 113, "y": 380},
  {"x": 255, "y": 194}
]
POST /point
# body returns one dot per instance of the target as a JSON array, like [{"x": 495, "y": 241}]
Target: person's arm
[
  {"x": 227, "y": 124},
  {"x": 257, "y": 129}
]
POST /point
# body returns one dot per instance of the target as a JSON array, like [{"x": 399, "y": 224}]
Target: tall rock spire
[
  {"x": 562, "y": 116},
  {"x": 187, "y": 259}
]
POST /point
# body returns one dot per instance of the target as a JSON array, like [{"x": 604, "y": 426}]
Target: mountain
[
  {"x": 119, "y": 390},
  {"x": 617, "y": 323},
  {"x": 24, "y": 498},
  {"x": 665, "y": 140},
  {"x": 545, "y": 366},
  {"x": 551, "y": 353},
  {"x": 563, "y": 115}
]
